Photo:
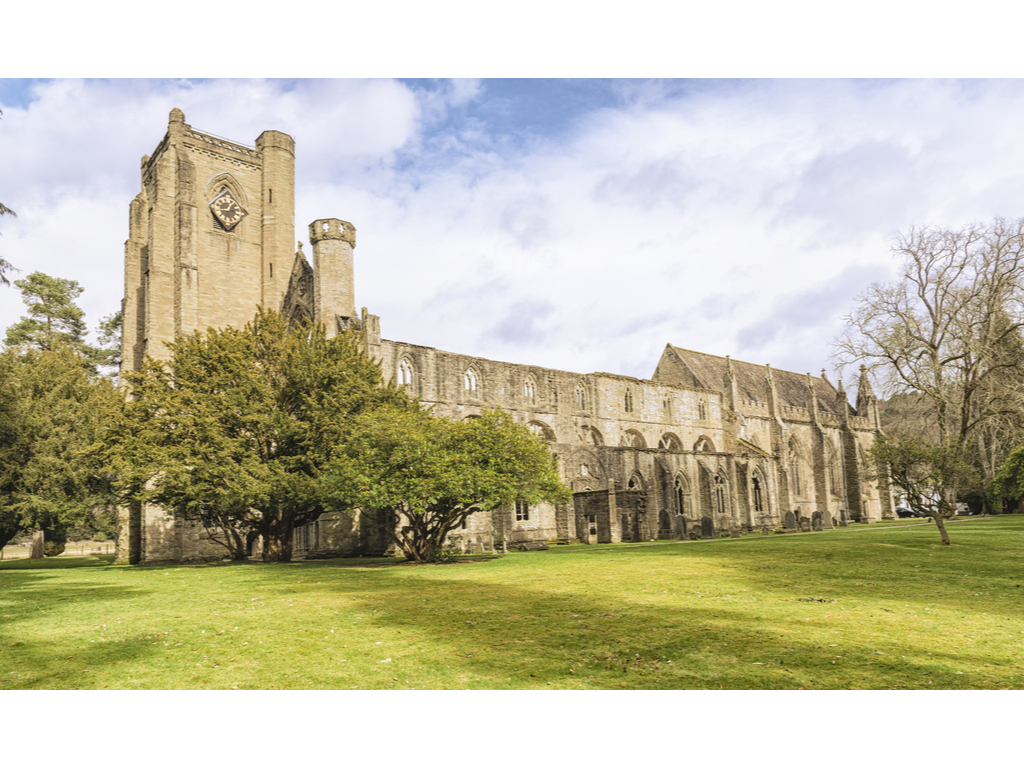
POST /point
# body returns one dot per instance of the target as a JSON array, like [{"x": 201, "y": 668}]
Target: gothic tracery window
[
  {"x": 758, "y": 495},
  {"x": 719, "y": 495},
  {"x": 530, "y": 391},
  {"x": 629, "y": 401},
  {"x": 581, "y": 397},
  {"x": 470, "y": 381},
  {"x": 680, "y": 494},
  {"x": 404, "y": 372}
]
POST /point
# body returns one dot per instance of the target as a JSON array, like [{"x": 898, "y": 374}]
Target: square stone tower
[{"x": 211, "y": 236}]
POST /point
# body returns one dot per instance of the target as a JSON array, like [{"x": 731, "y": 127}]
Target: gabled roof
[{"x": 700, "y": 369}]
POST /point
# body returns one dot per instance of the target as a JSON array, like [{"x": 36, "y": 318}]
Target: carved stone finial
[
  {"x": 177, "y": 116},
  {"x": 299, "y": 246}
]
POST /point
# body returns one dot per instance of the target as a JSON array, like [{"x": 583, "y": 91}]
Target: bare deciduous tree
[{"x": 946, "y": 334}]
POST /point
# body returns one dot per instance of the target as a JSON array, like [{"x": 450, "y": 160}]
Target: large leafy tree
[
  {"x": 236, "y": 427},
  {"x": 51, "y": 414},
  {"x": 53, "y": 317},
  {"x": 422, "y": 476}
]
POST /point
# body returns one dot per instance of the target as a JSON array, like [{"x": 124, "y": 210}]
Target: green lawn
[{"x": 864, "y": 607}]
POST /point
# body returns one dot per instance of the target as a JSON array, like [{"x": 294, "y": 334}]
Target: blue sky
[{"x": 574, "y": 224}]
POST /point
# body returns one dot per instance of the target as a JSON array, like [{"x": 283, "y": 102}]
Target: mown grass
[{"x": 858, "y": 608}]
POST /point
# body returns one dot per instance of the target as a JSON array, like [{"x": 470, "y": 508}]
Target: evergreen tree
[
  {"x": 51, "y": 414},
  {"x": 423, "y": 476},
  {"x": 235, "y": 429},
  {"x": 53, "y": 316}
]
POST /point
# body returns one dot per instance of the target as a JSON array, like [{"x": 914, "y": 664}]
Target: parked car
[{"x": 905, "y": 512}]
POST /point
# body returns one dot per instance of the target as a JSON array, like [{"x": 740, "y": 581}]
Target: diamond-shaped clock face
[{"x": 227, "y": 210}]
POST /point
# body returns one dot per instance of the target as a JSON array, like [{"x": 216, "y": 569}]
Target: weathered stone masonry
[{"x": 707, "y": 446}]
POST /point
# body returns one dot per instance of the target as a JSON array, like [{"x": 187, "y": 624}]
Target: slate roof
[{"x": 708, "y": 372}]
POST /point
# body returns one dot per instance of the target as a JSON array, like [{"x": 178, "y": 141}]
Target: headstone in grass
[
  {"x": 707, "y": 528},
  {"x": 790, "y": 521},
  {"x": 694, "y": 534},
  {"x": 816, "y": 521},
  {"x": 826, "y": 520},
  {"x": 805, "y": 524},
  {"x": 735, "y": 533}
]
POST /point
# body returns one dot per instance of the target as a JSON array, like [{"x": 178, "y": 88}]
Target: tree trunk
[
  {"x": 38, "y": 545},
  {"x": 942, "y": 530},
  {"x": 277, "y": 538}
]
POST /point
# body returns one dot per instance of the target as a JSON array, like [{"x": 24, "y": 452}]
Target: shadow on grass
[{"x": 739, "y": 615}]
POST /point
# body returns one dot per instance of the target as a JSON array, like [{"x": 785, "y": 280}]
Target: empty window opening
[
  {"x": 470, "y": 380},
  {"x": 522, "y": 510},
  {"x": 404, "y": 372},
  {"x": 680, "y": 494},
  {"x": 530, "y": 391},
  {"x": 758, "y": 497}
]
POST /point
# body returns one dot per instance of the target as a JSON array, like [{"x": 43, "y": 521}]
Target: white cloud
[{"x": 736, "y": 218}]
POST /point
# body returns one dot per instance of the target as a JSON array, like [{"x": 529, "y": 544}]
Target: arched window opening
[
  {"x": 703, "y": 445},
  {"x": 633, "y": 439},
  {"x": 702, "y": 410},
  {"x": 404, "y": 372},
  {"x": 680, "y": 494},
  {"x": 758, "y": 495},
  {"x": 794, "y": 475},
  {"x": 666, "y": 405},
  {"x": 591, "y": 436},
  {"x": 541, "y": 430},
  {"x": 719, "y": 495},
  {"x": 636, "y": 482},
  {"x": 584, "y": 470},
  {"x": 530, "y": 391},
  {"x": 581, "y": 397},
  {"x": 670, "y": 442},
  {"x": 522, "y": 510},
  {"x": 470, "y": 381},
  {"x": 629, "y": 401}
]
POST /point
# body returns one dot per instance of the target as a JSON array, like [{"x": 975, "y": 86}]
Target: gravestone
[
  {"x": 735, "y": 533},
  {"x": 805, "y": 524},
  {"x": 765, "y": 531},
  {"x": 816, "y": 521},
  {"x": 826, "y": 520},
  {"x": 695, "y": 534},
  {"x": 790, "y": 521},
  {"x": 707, "y": 528}
]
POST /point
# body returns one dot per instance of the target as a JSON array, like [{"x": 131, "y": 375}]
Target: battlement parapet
[{"x": 332, "y": 229}]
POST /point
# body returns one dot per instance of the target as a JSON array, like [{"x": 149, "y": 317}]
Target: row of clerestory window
[{"x": 471, "y": 384}]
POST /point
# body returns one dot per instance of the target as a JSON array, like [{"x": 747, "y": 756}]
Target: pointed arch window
[
  {"x": 530, "y": 390},
  {"x": 581, "y": 397},
  {"x": 758, "y": 493},
  {"x": 719, "y": 495},
  {"x": 470, "y": 381},
  {"x": 629, "y": 400},
  {"x": 669, "y": 442},
  {"x": 404, "y": 372},
  {"x": 679, "y": 489},
  {"x": 702, "y": 410}
]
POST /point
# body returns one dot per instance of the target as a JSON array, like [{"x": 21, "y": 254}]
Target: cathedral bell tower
[{"x": 210, "y": 236}]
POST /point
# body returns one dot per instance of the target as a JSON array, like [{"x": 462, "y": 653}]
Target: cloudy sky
[{"x": 573, "y": 224}]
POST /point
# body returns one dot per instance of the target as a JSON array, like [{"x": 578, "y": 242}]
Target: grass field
[{"x": 859, "y": 608}]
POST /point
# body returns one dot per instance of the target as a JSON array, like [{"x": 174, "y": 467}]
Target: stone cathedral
[{"x": 707, "y": 447}]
